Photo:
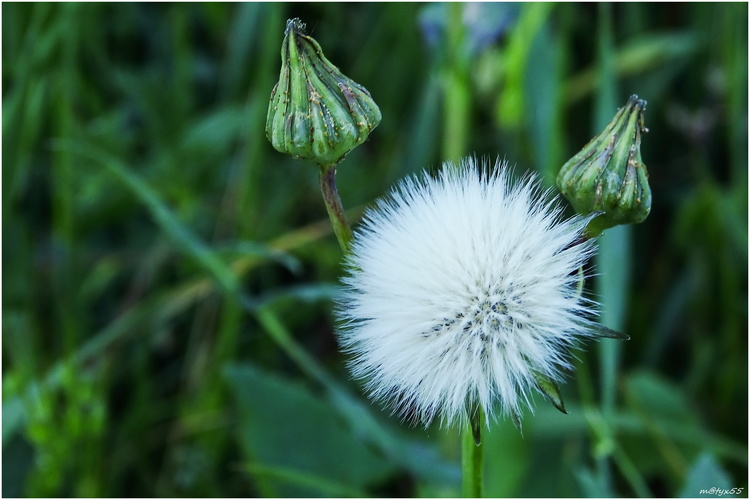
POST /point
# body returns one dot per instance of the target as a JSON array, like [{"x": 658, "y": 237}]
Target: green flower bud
[
  {"x": 608, "y": 175},
  {"x": 316, "y": 112}
]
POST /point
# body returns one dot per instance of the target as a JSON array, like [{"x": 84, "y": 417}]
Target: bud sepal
[{"x": 549, "y": 388}]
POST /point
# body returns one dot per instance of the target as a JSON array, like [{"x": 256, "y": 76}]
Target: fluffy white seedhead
[{"x": 460, "y": 290}]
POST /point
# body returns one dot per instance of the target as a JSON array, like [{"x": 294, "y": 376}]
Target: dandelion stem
[
  {"x": 472, "y": 457},
  {"x": 334, "y": 207}
]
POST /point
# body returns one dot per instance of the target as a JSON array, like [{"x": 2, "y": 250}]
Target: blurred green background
[{"x": 168, "y": 276}]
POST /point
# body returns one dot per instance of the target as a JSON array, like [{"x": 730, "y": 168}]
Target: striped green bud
[
  {"x": 316, "y": 112},
  {"x": 608, "y": 175}
]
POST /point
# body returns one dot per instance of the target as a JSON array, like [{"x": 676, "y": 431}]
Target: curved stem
[
  {"x": 334, "y": 207},
  {"x": 472, "y": 457}
]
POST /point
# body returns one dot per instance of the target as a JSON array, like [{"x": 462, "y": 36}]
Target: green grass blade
[{"x": 184, "y": 240}]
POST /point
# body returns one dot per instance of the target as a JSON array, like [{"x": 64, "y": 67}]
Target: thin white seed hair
[{"x": 459, "y": 288}]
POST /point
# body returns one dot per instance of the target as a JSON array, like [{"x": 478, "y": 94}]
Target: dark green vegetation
[{"x": 168, "y": 276}]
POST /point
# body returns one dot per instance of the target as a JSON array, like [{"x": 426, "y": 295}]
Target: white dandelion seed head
[{"x": 460, "y": 288}]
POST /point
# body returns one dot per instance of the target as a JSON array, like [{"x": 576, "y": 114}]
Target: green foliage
[
  {"x": 285, "y": 427},
  {"x": 707, "y": 471},
  {"x": 168, "y": 277}
]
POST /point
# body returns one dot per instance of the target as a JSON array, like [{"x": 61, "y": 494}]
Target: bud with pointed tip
[
  {"x": 316, "y": 112},
  {"x": 608, "y": 175}
]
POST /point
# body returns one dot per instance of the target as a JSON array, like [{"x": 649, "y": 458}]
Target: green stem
[
  {"x": 334, "y": 207},
  {"x": 472, "y": 457},
  {"x": 456, "y": 91},
  {"x": 609, "y": 285}
]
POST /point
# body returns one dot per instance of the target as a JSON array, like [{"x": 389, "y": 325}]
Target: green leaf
[
  {"x": 13, "y": 417},
  {"x": 649, "y": 52},
  {"x": 510, "y": 105},
  {"x": 542, "y": 80},
  {"x": 284, "y": 426},
  {"x": 263, "y": 251},
  {"x": 314, "y": 292},
  {"x": 409, "y": 453},
  {"x": 306, "y": 481},
  {"x": 214, "y": 133},
  {"x": 668, "y": 422},
  {"x": 182, "y": 236},
  {"x": 659, "y": 398},
  {"x": 20, "y": 459},
  {"x": 706, "y": 473},
  {"x": 593, "y": 485}
]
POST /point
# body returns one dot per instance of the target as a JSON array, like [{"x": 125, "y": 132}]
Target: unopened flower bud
[
  {"x": 316, "y": 112},
  {"x": 608, "y": 175}
]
